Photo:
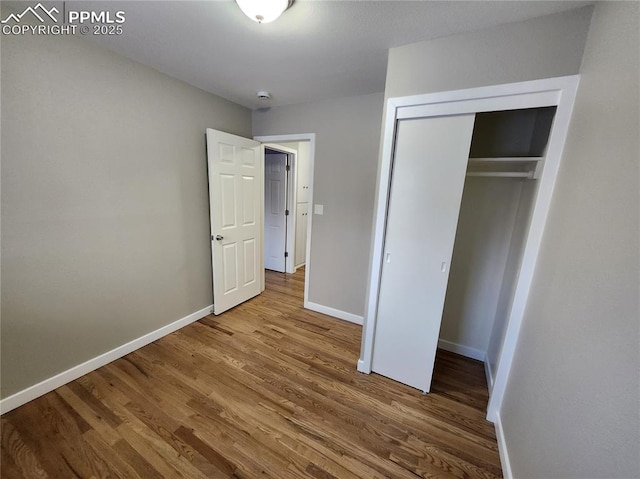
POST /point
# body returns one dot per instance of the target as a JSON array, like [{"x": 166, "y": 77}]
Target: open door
[
  {"x": 236, "y": 178},
  {"x": 280, "y": 162},
  {"x": 428, "y": 176},
  {"x": 275, "y": 210}
]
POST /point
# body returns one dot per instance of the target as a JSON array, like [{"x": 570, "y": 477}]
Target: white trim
[
  {"x": 492, "y": 102},
  {"x": 362, "y": 367},
  {"x": 48, "y": 385},
  {"x": 488, "y": 374},
  {"x": 502, "y": 449},
  {"x": 546, "y": 184},
  {"x": 336, "y": 313},
  {"x": 311, "y": 138},
  {"x": 519, "y": 95},
  {"x": 462, "y": 350},
  {"x": 377, "y": 238},
  {"x": 262, "y": 193},
  {"x": 506, "y": 89}
]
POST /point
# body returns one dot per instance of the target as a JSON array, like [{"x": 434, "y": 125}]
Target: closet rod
[
  {"x": 504, "y": 159},
  {"x": 502, "y": 174}
]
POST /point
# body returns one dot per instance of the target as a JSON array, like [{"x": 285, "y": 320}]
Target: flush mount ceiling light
[{"x": 263, "y": 11}]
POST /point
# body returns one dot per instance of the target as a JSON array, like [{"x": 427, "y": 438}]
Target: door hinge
[
  {"x": 288, "y": 168},
  {"x": 286, "y": 212},
  {"x": 286, "y": 254}
]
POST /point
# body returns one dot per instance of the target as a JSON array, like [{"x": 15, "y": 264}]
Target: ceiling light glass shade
[{"x": 263, "y": 11}]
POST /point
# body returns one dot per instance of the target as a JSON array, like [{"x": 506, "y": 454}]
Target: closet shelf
[
  {"x": 505, "y": 167},
  {"x": 514, "y": 159},
  {"x": 502, "y": 174}
]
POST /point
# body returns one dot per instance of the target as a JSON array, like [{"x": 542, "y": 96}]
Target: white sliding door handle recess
[{"x": 443, "y": 267}]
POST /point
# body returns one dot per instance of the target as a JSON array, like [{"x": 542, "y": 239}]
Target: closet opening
[
  {"x": 506, "y": 174},
  {"x": 506, "y": 157}
]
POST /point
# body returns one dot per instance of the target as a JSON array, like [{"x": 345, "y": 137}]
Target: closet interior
[{"x": 506, "y": 158}]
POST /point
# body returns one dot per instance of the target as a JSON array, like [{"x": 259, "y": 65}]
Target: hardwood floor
[{"x": 265, "y": 390}]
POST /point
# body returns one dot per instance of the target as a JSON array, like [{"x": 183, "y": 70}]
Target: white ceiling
[{"x": 316, "y": 50}]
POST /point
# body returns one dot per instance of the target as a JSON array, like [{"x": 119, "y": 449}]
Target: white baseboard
[
  {"x": 362, "y": 368},
  {"x": 488, "y": 374},
  {"x": 48, "y": 385},
  {"x": 336, "y": 313},
  {"x": 502, "y": 449},
  {"x": 462, "y": 350}
]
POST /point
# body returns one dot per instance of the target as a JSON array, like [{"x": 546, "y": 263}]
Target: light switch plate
[{"x": 318, "y": 209}]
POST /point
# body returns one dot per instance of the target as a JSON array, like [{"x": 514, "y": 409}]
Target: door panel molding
[{"x": 236, "y": 182}]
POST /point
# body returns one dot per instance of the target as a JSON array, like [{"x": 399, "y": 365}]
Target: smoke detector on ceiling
[{"x": 264, "y": 95}]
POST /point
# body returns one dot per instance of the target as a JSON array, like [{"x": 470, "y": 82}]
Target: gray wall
[
  {"x": 487, "y": 219},
  {"x": 545, "y": 47},
  {"x": 346, "y": 156},
  {"x": 104, "y": 202},
  {"x": 572, "y": 402},
  {"x": 510, "y": 276},
  {"x": 571, "y": 407}
]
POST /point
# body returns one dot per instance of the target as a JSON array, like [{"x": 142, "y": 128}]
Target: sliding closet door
[{"x": 428, "y": 175}]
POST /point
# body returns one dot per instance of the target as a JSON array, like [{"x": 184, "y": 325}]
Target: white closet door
[{"x": 428, "y": 176}]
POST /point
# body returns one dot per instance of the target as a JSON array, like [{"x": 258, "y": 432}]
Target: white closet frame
[{"x": 559, "y": 92}]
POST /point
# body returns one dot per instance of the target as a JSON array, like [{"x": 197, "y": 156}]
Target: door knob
[{"x": 219, "y": 237}]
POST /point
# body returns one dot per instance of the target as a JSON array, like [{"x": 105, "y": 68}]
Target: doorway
[
  {"x": 286, "y": 200},
  {"x": 300, "y": 149},
  {"x": 237, "y": 214},
  {"x": 278, "y": 226}
]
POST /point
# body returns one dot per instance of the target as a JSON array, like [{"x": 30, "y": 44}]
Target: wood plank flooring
[{"x": 265, "y": 390}]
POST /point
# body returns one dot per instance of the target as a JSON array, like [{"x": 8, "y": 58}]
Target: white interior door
[
  {"x": 275, "y": 220},
  {"x": 236, "y": 178},
  {"x": 428, "y": 176}
]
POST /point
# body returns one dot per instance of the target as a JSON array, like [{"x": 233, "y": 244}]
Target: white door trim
[
  {"x": 311, "y": 138},
  {"x": 558, "y": 91}
]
